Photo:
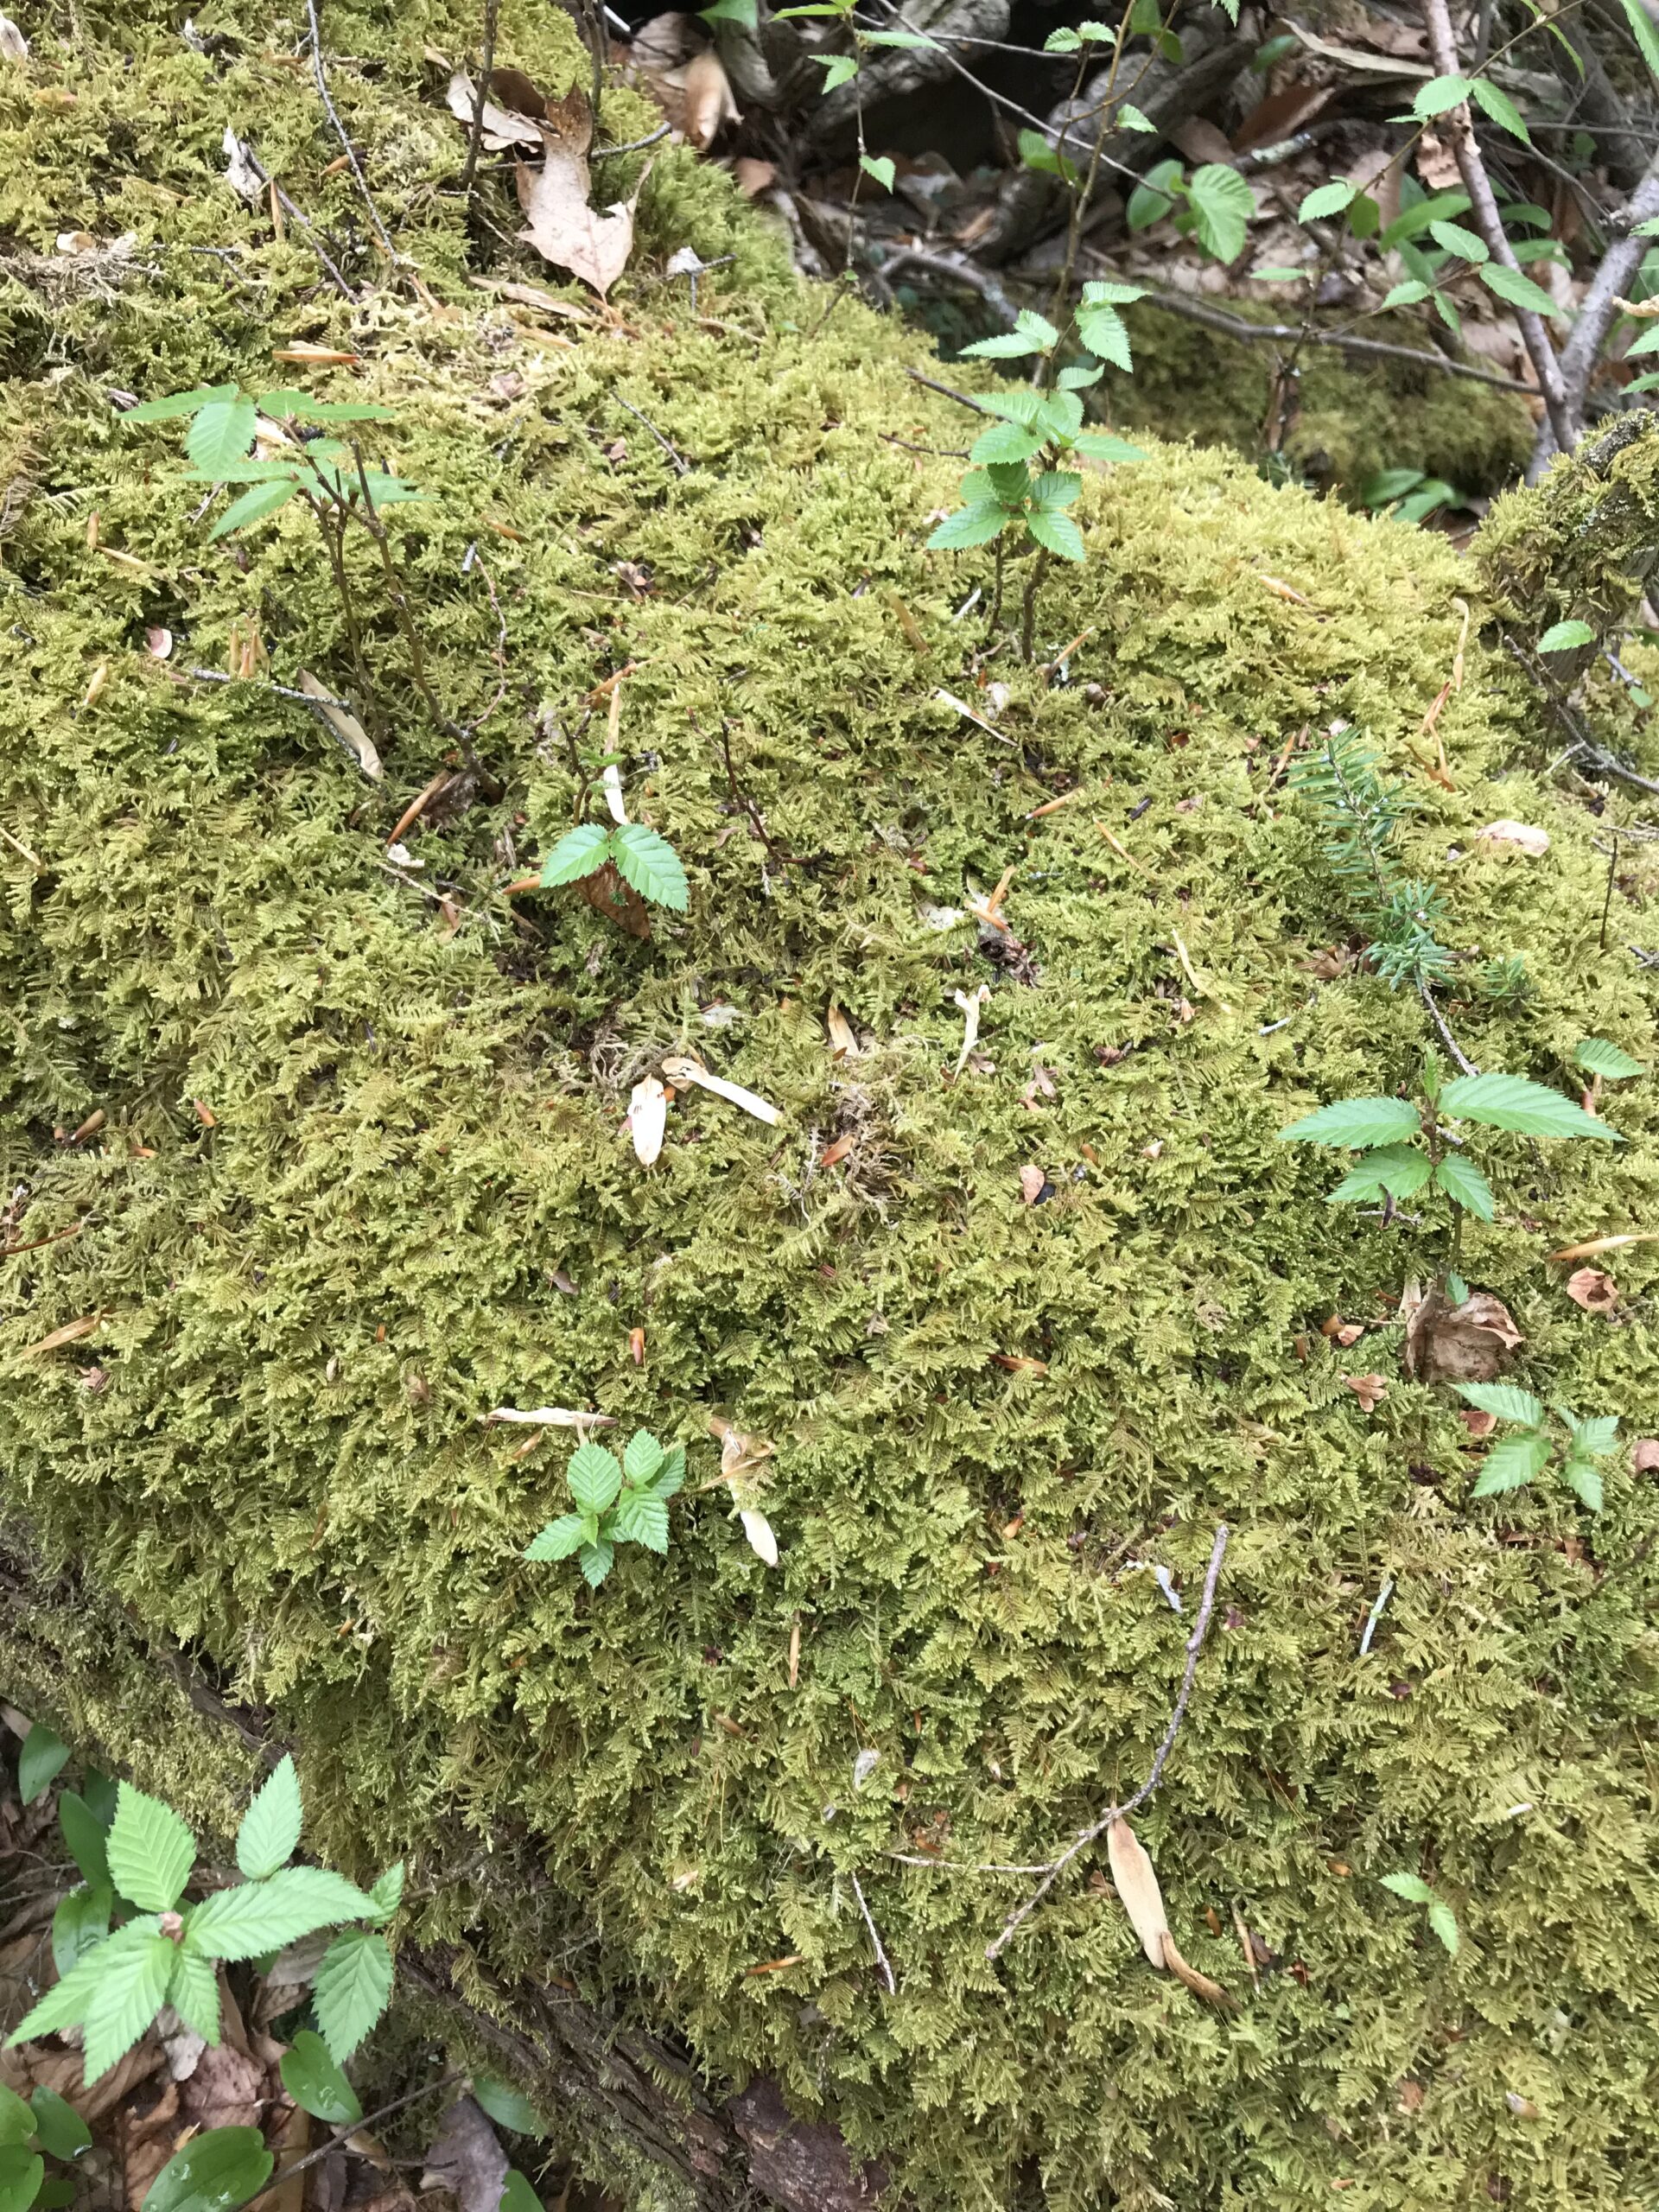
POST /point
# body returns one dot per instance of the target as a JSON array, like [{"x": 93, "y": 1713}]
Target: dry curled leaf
[
  {"x": 14, "y": 46},
  {"x": 558, "y": 221},
  {"x": 680, "y": 1069},
  {"x": 1032, "y": 1182},
  {"x": 70, "y": 1333},
  {"x": 1136, "y": 1881},
  {"x": 551, "y": 1417},
  {"x": 1478, "y": 1423},
  {"x": 648, "y": 1120},
  {"x": 1199, "y": 1984},
  {"x": 344, "y": 725},
  {"x": 1595, "y": 1291},
  {"x": 466, "y": 2158},
  {"x": 1369, "y": 1389},
  {"x": 1522, "y": 836},
  {"x": 1604, "y": 1244},
  {"x": 709, "y": 102},
  {"x": 1645, "y": 1457},
  {"x": 843, "y": 1040},
  {"x": 501, "y": 128},
  {"x": 158, "y": 643},
  {"x": 1444, "y": 1342},
  {"x": 1342, "y": 1332}
]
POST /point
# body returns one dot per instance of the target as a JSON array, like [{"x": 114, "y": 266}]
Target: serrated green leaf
[
  {"x": 179, "y": 402},
  {"x": 193, "y": 1994},
  {"x": 1326, "y": 200},
  {"x": 1606, "y": 1059},
  {"x": 1078, "y": 379},
  {"x": 838, "y": 69},
  {"x": 85, "y": 1834},
  {"x": 1460, "y": 242},
  {"x": 1520, "y": 291},
  {"x": 594, "y": 1561},
  {"x": 1439, "y": 96},
  {"x": 40, "y": 1759},
  {"x": 150, "y": 1851},
  {"x": 214, "y": 2172},
  {"x": 1647, "y": 342},
  {"x": 595, "y": 1478},
  {"x": 1511, "y": 1463},
  {"x": 16, "y": 2120},
  {"x": 1357, "y": 1124},
  {"x": 1505, "y": 1400},
  {"x": 221, "y": 433},
  {"x": 129, "y": 1990},
  {"x": 1407, "y": 294},
  {"x": 80, "y": 1922},
  {"x": 1104, "y": 332},
  {"x": 560, "y": 1538},
  {"x": 1562, "y": 637},
  {"x": 289, "y": 406},
  {"x": 651, "y": 864},
  {"x": 1643, "y": 32},
  {"x": 1412, "y": 1887},
  {"x": 1595, "y": 1438},
  {"x": 670, "y": 1477},
  {"x": 387, "y": 1893},
  {"x": 65, "y": 2004},
  {"x": 1060, "y": 414},
  {"x": 270, "y": 1833},
  {"x": 643, "y": 1457},
  {"x": 1057, "y": 532},
  {"x": 1153, "y": 199},
  {"x": 1102, "y": 445},
  {"x": 1007, "y": 346},
  {"x": 1583, "y": 1478},
  {"x": 508, "y": 2107},
  {"x": 254, "y": 505},
  {"x": 1006, "y": 441},
  {"x": 257, "y": 1916},
  {"x": 975, "y": 525},
  {"x": 1222, "y": 205},
  {"x": 1056, "y": 488},
  {"x": 1462, "y": 1181},
  {"x": 1400, "y": 1169},
  {"x": 352, "y": 1988},
  {"x": 880, "y": 167},
  {"x": 315, "y": 2083},
  {"x": 63, "y": 2133},
  {"x": 1497, "y": 104},
  {"x": 1131, "y": 119},
  {"x": 641, "y": 1517},
  {"x": 1511, "y": 1102},
  {"x": 22, "y": 2172},
  {"x": 1064, "y": 40},
  {"x": 580, "y": 852},
  {"x": 1020, "y": 405},
  {"x": 1107, "y": 291},
  {"x": 1444, "y": 1921}
]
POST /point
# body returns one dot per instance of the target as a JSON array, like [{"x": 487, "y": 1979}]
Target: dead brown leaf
[
  {"x": 144, "y": 2141},
  {"x": 344, "y": 725},
  {"x": 287, "y": 2191},
  {"x": 467, "y": 2160},
  {"x": 1437, "y": 164},
  {"x": 1199, "y": 1984},
  {"x": 1340, "y": 1331},
  {"x": 1369, "y": 1389},
  {"x": 1469, "y": 1343},
  {"x": 710, "y": 104},
  {"x": 1280, "y": 114},
  {"x": 501, "y": 127},
  {"x": 1136, "y": 1881},
  {"x": 1032, "y": 1181},
  {"x": 752, "y": 177},
  {"x": 1478, "y": 1423},
  {"x": 70, "y": 1333},
  {"x": 1595, "y": 1291},
  {"x": 844, "y": 1038},
  {"x": 1522, "y": 836},
  {"x": 559, "y": 223},
  {"x": 1645, "y": 1457},
  {"x": 31, "y": 2067},
  {"x": 226, "y": 2088}
]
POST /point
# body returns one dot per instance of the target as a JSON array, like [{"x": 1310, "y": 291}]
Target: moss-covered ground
[{"x": 362, "y": 1176}]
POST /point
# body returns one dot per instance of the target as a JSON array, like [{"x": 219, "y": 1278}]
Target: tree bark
[{"x": 1596, "y": 312}]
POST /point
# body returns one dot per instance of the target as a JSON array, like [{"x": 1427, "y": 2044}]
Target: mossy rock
[{"x": 362, "y": 1176}]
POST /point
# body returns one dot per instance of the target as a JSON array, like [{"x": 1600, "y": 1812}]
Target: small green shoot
[
  {"x": 644, "y": 860},
  {"x": 1441, "y": 1918},
  {"x": 616, "y": 1502},
  {"x": 1513, "y": 1462}
]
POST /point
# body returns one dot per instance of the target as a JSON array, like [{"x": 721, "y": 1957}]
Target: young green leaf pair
[
  {"x": 1511, "y": 1463},
  {"x": 639, "y": 855},
  {"x": 114, "y": 1979},
  {"x": 48, "y": 2126},
  {"x": 616, "y": 1504},
  {"x": 1441, "y": 1918}
]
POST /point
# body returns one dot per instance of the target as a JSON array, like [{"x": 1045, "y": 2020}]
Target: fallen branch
[
  {"x": 1235, "y": 325},
  {"x": 1466, "y": 148},
  {"x": 343, "y": 2135},
  {"x": 964, "y": 272},
  {"x": 1194, "y": 1645},
  {"x": 1465, "y": 1066},
  {"x": 947, "y": 391},
  {"x": 297, "y": 214}
]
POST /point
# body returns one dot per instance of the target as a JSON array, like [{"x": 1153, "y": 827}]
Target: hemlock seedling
[{"x": 616, "y": 1504}]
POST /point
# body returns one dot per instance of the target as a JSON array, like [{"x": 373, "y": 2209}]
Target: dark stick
[
  {"x": 1596, "y": 314},
  {"x": 298, "y": 216},
  {"x": 475, "y": 135},
  {"x": 1569, "y": 721},
  {"x": 1465, "y": 1066},
  {"x": 947, "y": 392},
  {"x": 681, "y": 464},
  {"x": 340, "y": 133},
  {"x": 1194, "y": 1645},
  {"x": 1608, "y": 903},
  {"x": 954, "y": 266},
  {"x": 636, "y": 146}
]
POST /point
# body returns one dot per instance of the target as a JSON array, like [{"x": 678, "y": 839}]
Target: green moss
[
  {"x": 1582, "y": 544},
  {"x": 353, "y": 1138},
  {"x": 1348, "y": 422}
]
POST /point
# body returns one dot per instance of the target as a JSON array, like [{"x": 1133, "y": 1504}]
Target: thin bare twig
[
  {"x": 881, "y": 1959},
  {"x": 682, "y": 465},
  {"x": 475, "y": 135},
  {"x": 344, "y": 2134},
  {"x": 1466, "y": 148},
  {"x": 321, "y": 75},
  {"x": 1465, "y": 1066},
  {"x": 297, "y": 215},
  {"x": 475, "y": 559},
  {"x": 1194, "y": 1645},
  {"x": 1582, "y": 741},
  {"x": 962, "y": 270},
  {"x": 947, "y": 391},
  {"x": 633, "y": 146},
  {"x": 1596, "y": 314}
]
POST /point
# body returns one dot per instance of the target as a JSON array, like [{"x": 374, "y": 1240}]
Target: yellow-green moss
[
  {"x": 351, "y": 1146},
  {"x": 1350, "y": 420}
]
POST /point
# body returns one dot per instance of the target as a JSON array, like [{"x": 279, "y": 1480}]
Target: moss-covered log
[{"x": 361, "y": 1177}]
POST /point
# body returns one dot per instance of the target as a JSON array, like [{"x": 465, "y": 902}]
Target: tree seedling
[
  {"x": 126, "y": 1944},
  {"x": 1408, "y": 1146},
  {"x": 1602, "y": 1063},
  {"x": 616, "y": 1504},
  {"x": 1513, "y": 1462},
  {"x": 1441, "y": 1918},
  {"x": 644, "y": 860}
]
